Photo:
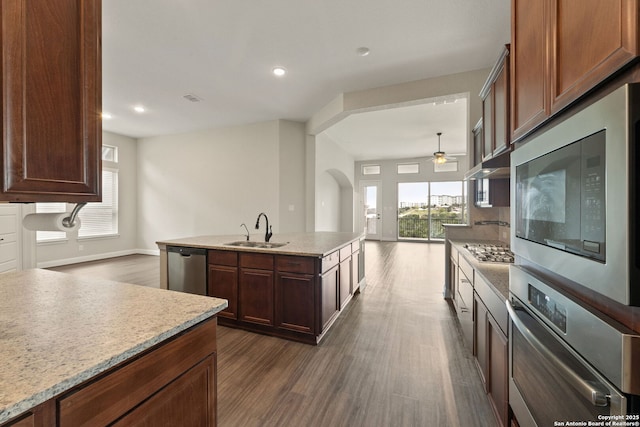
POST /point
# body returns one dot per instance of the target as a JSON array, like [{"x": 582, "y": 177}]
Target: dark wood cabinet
[
  {"x": 344, "y": 280},
  {"x": 464, "y": 306},
  {"x": 295, "y": 294},
  {"x": 498, "y": 363},
  {"x": 222, "y": 281},
  {"x": 491, "y": 349},
  {"x": 480, "y": 337},
  {"x": 51, "y": 100},
  {"x": 561, "y": 49},
  {"x": 256, "y": 288},
  {"x": 478, "y": 148},
  {"x": 590, "y": 40},
  {"x": 329, "y": 294},
  {"x": 290, "y": 296},
  {"x": 496, "y": 132},
  {"x": 173, "y": 383}
]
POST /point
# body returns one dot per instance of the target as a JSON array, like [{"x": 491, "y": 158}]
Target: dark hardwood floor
[{"x": 394, "y": 358}]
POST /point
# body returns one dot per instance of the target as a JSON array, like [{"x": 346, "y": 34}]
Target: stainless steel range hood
[{"x": 494, "y": 168}]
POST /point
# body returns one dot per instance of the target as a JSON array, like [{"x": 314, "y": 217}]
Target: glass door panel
[{"x": 371, "y": 207}]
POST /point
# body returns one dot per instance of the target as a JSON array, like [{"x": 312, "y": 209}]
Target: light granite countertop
[
  {"x": 496, "y": 274},
  {"x": 59, "y": 330},
  {"x": 317, "y": 244}
]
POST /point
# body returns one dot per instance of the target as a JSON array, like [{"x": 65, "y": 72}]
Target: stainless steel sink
[{"x": 261, "y": 245}]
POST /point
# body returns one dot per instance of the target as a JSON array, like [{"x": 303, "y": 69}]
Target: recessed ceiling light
[
  {"x": 139, "y": 109},
  {"x": 106, "y": 116},
  {"x": 363, "y": 51},
  {"x": 279, "y": 71}
]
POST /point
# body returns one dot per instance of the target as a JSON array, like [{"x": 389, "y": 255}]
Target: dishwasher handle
[{"x": 186, "y": 251}]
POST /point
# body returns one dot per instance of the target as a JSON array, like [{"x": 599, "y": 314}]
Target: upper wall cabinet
[
  {"x": 495, "y": 108},
  {"x": 51, "y": 100},
  {"x": 561, "y": 49}
]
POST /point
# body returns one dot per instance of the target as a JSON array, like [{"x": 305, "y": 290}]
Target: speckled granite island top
[
  {"x": 58, "y": 330},
  {"x": 316, "y": 244}
]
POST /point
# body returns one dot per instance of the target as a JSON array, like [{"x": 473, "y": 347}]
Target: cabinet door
[
  {"x": 498, "y": 381},
  {"x": 355, "y": 262},
  {"x": 487, "y": 125},
  {"x": 590, "y": 40},
  {"x": 295, "y": 302},
  {"x": 344, "y": 282},
  {"x": 329, "y": 295},
  {"x": 51, "y": 100},
  {"x": 480, "y": 336},
  {"x": 255, "y": 296},
  {"x": 223, "y": 283},
  {"x": 501, "y": 130},
  {"x": 528, "y": 65},
  {"x": 477, "y": 142},
  {"x": 188, "y": 401}
]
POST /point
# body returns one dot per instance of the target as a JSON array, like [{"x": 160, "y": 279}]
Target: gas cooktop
[{"x": 490, "y": 253}]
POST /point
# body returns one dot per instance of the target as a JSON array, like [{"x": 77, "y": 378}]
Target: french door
[{"x": 370, "y": 202}]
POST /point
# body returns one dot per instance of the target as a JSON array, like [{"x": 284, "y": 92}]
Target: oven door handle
[{"x": 585, "y": 388}]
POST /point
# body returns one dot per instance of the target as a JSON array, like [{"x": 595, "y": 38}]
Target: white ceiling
[{"x": 157, "y": 51}]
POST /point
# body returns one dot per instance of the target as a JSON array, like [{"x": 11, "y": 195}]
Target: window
[
  {"x": 408, "y": 168},
  {"x": 370, "y": 169},
  {"x": 101, "y": 218},
  {"x": 445, "y": 167}
]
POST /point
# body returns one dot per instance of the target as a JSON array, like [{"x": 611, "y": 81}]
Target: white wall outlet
[
  {"x": 81, "y": 247},
  {"x": 292, "y": 208}
]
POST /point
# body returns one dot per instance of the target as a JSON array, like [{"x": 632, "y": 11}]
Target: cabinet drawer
[
  {"x": 495, "y": 303},
  {"x": 345, "y": 253},
  {"x": 223, "y": 258},
  {"x": 330, "y": 261},
  {"x": 454, "y": 254},
  {"x": 466, "y": 268},
  {"x": 107, "y": 399},
  {"x": 254, "y": 260},
  {"x": 295, "y": 264},
  {"x": 355, "y": 247}
]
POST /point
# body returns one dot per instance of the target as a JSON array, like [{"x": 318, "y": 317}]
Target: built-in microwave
[{"x": 574, "y": 189}]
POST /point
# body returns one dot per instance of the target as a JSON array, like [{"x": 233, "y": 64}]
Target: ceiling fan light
[{"x": 439, "y": 157}]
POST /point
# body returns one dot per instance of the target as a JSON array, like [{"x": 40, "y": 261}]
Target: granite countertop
[
  {"x": 318, "y": 244},
  {"x": 59, "y": 330},
  {"x": 496, "y": 274}
]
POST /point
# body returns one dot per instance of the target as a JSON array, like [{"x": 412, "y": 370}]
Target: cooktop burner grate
[{"x": 490, "y": 253}]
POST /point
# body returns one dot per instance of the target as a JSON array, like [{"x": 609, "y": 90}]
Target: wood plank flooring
[{"x": 395, "y": 357}]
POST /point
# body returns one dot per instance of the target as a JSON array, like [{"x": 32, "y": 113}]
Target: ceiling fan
[{"x": 440, "y": 157}]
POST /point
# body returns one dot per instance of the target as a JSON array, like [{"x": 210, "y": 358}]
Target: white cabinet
[{"x": 9, "y": 238}]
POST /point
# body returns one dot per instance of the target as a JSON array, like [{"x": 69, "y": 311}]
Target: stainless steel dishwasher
[{"x": 187, "y": 269}]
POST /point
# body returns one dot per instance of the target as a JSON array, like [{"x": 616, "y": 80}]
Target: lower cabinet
[
  {"x": 285, "y": 295},
  {"x": 294, "y": 293},
  {"x": 491, "y": 351},
  {"x": 329, "y": 296},
  {"x": 464, "y": 307},
  {"x": 256, "y": 289},
  {"x": 171, "y": 384},
  {"x": 222, "y": 281},
  {"x": 345, "y": 287}
]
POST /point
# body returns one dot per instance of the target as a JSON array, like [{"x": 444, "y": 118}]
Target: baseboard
[{"x": 97, "y": 257}]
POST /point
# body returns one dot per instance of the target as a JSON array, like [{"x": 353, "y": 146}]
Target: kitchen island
[
  {"x": 294, "y": 291},
  {"x": 82, "y": 351}
]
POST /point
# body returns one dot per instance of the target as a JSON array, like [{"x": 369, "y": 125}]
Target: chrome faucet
[
  {"x": 245, "y": 227},
  {"x": 268, "y": 233}
]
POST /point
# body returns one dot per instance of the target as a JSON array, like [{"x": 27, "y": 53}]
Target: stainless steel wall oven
[{"x": 566, "y": 361}]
